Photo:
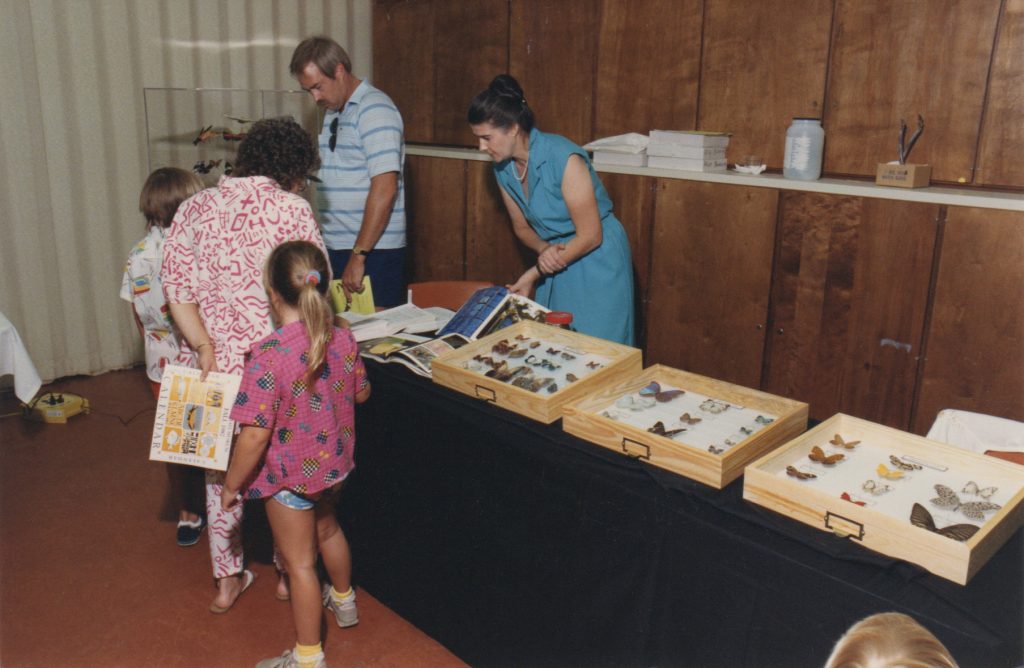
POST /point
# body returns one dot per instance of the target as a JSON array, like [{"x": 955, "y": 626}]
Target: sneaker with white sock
[
  {"x": 345, "y": 612},
  {"x": 289, "y": 660}
]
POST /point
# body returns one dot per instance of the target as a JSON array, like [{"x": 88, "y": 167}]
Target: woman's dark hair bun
[{"x": 503, "y": 104}]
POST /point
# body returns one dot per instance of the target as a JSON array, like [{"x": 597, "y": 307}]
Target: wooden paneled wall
[
  {"x": 881, "y": 309},
  {"x": 595, "y": 68}
]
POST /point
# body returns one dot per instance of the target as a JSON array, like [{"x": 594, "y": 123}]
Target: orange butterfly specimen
[
  {"x": 885, "y": 472},
  {"x": 846, "y": 497},
  {"x": 840, "y": 443},
  {"x": 920, "y": 517},
  {"x": 818, "y": 455},
  {"x": 798, "y": 474}
]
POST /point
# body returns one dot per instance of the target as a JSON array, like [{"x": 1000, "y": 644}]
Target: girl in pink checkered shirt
[{"x": 296, "y": 406}]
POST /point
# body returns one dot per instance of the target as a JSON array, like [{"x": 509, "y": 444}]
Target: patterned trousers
[{"x": 224, "y": 529}]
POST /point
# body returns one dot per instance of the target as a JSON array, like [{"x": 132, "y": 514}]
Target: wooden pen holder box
[
  {"x": 903, "y": 176},
  {"x": 709, "y": 429},
  {"x": 945, "y": 509},
  {"x": 535, "y": 369}
]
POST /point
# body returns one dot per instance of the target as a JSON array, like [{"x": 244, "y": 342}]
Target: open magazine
[
  {"x": 415, "y": 352},
  {"x": 407, "y": 318},
  {"x": 491, "y": 309}
]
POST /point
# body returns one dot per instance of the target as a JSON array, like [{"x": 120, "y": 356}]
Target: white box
[{"x": 688, "y": 164}]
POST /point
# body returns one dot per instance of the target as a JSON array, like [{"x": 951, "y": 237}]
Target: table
[
  {"x": 515, "y": 544},
  {"x": 14, "y": 359}
]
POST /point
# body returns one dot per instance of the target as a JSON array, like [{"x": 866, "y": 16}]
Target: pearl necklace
[{"x": 515, "y": 170}]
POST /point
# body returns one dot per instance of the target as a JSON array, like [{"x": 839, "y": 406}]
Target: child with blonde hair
[
  {"x": 889, "y": 640},
  {"x": 141, "y": 285},
  {"x": 296, "y": 406}
]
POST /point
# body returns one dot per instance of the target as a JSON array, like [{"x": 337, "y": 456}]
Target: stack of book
[
  {"x": 606, "y": 157},
  {"x": 695, "y": 151}
]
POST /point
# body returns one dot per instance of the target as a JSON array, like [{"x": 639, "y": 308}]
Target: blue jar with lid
[{"x": 805, "y": 144}]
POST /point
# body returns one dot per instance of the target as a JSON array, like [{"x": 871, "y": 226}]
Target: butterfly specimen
[
  {"x": 947, "y": 498},
  {"x": 568, "y": 356},
  {"x": 794, "y": 472},
  {"x": 243, "y": 121},
  {"x": 593, "y": 365},
  {"x": 920, "y": 517},
  {"x": 650, "y": 389},
  {"x": 204, "y": 134},
  {"x": 984, "y": 492},
  {"x": 535, "y": 344},
  {"x": 715, "y": 451},
  {"x": 571, "y": 378},
  {"x": 714, "y": 406},
  {"x": 686, "y": 419},
  {"x": 885, "y": 472},
  {"x": 668, "y": 395},
  {"x": 746, "y": 430},
  {"x": 519, "y": 352},
  {"x": 875, "y": 488},
  {"x": 552, "y": 388},
  {"x": 520, "y": 337},
  {"x": 659, "y": 429},
  {"x": 760, "y": 419},
  {"x": 840, "y": 443},
  {"x": 818, "y": 455},
  {"x": 503, "y": 347},
  {"x": 902, "y": 464},
  {"x": 634, "y": 403},
  {"x": 846, "y": 497}
]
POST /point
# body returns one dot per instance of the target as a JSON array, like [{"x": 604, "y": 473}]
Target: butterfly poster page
[
  {"x": 879, "y": 475},
  {"x": 192, "y": 424}
]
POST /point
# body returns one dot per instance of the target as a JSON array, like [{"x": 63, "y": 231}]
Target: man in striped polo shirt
[{"x": 361, "y": 199}]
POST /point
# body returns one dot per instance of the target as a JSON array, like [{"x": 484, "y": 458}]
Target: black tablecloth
[{"x": 515, "y": 544}]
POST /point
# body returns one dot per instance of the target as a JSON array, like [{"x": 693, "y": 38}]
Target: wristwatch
[{"x": 360, "y": 251}]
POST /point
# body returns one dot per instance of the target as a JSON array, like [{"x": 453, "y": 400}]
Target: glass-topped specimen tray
[
  {"x": 945, "y": 509},
  {"x": 698, "y": 427},
  {"x": 535, "y": 369}
]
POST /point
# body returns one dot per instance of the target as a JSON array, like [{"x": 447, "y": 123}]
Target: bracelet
[{"x": 204, "y": 343}]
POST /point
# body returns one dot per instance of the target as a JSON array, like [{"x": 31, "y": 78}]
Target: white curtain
[{"x": 74, "y": 146}]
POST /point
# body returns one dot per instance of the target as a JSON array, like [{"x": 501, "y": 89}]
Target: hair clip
[{"x": 313, "y": 276}]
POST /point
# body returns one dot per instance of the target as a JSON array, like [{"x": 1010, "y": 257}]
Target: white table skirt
[{"x": 14, "y": 359}]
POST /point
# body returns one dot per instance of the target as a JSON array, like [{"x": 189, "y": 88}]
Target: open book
[
  {"x": 407, "y": 318},
  {"x": 415, "y": 352},
  {"x": 491, "y": 309}
]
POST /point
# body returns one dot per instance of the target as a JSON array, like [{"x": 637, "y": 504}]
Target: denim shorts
[{"x": 290, "y": 499}]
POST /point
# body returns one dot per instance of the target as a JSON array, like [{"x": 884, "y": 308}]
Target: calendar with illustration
[{"x": 193, "y": 424}]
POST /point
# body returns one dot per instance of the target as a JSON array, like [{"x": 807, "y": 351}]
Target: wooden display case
[
  {"x": 949, "y": 512},
  {"x": 712, "y": 447},
  {"x": 591, "y": 361}
]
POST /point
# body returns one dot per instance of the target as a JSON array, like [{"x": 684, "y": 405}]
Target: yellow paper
[{"x": 361, "y": 303}]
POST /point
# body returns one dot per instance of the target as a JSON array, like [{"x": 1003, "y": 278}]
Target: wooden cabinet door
[
  {"x": 849, "y": 295},
  {"x": 493, "y": 253},
  {"x": 633, "y": 204},
  {"x": 1002, "y": 134},
  {"x": 893, "y": 60},
  {"x": 471, "y": 48},
  {"x": 435, "y": 210},
  {"x": 403, "y": 62},
  {"x": 764, "y": 63},
  {"x": 552, "y": 51},
  {"x": 711, "y": 258},
  {"x": 975, "y": 346},
  {"x": 648, "y": 66}
]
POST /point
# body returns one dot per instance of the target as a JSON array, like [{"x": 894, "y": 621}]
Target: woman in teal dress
[{"x": 560, "y": 210}]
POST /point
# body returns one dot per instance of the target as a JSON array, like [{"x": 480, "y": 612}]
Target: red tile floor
[{"x": 90, "y": 574}]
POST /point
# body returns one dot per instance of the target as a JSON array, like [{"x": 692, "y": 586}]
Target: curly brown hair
[{"x": 279, "y": 148}]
